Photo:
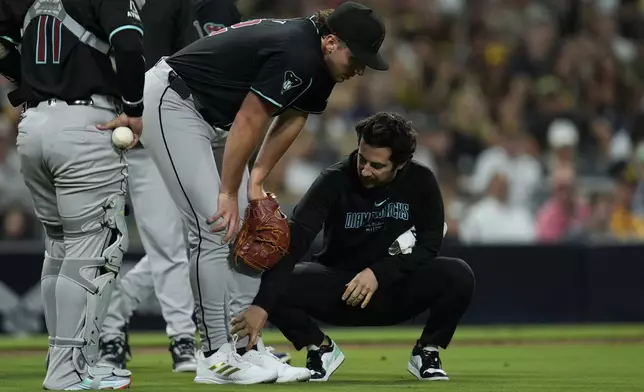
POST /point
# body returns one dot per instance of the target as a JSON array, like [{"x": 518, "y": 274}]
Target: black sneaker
[
  {"x": 183, "y": 355},
  {"x": 323, "y": 361},
  {"x": 112, "y": 353},
  {"x": 426, "y": 365}
]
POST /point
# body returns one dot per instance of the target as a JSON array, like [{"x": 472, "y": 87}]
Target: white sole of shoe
[
  {"x": 302, "y": 377},
  {"x": 105, "y": 363},
  {"x": 186, "y": 367},
  {"x": 213, "y": 380},
  {"x": 415, "y": 373},
  {"x": 334, "y": 366},
  {"x": 114, "y": 385}
]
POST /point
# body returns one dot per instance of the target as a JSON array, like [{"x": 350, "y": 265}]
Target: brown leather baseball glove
[{"x": 264, "y": 236}]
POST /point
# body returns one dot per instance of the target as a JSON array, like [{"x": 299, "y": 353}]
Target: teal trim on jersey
[
  {"x": 265, "y": 97},
  {"x": 126, "y": 27},
  {"x": 6, "y": 38}
]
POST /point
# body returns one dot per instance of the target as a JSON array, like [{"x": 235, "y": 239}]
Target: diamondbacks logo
[
  {"x": 373, "y": 221},
  {"x": 290, "y": 81}
]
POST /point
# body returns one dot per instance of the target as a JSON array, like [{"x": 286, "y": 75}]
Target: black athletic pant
[{"x": 445, "y": 286}]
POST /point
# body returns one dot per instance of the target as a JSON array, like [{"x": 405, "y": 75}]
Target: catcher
[{"x": 207, "y": 107}]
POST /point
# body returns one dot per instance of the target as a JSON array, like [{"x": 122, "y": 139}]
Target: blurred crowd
[{"x": 530, "y": 113}]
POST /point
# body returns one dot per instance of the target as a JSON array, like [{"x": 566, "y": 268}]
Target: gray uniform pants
[
  {"x": 188, "y": 152},
  {"x": 72, "y": 171},
  {"x": 164, "y": 269}
]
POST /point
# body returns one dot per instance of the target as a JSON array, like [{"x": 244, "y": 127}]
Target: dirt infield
[{"x": 392, "y": 345}]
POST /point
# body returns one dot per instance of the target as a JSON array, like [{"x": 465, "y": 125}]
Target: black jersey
[
  {"x": 360, "y": 224},
  {"x": 166, "y": 24},
  {"x": 55, "y": 64},
  {"x": 210, "y": 16},
  {"x": 280, "y": 60}
]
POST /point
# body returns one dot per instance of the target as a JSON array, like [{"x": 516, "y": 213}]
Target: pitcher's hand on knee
[
  {"x": 123, "y": 120},
  {"x": 228, "y": 213},
  {"x": 250, "y": 323}
]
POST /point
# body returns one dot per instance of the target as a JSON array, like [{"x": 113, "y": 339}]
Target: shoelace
[
  {"x": 233, "y": 355},
  {"x": 430, "y": 356},
  {"x": 314, "y": 360},
  {"x": 115, "y": 346},
  {"x": 185, "y": 346}
]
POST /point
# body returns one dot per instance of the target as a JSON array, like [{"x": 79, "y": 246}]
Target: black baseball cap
[{"x": 362, "y": 30}]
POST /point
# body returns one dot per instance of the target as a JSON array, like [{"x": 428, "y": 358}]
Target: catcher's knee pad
[
  {"x": 99, "y": 289},
  {"x": 54, "y": 231}
]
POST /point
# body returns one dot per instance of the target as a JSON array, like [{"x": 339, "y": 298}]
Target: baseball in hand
[{"x": 122, "y": 137}]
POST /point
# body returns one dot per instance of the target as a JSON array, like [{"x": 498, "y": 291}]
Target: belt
[
  {"x": 53, "y": 101},
  {"x": 180, "y": 87}
]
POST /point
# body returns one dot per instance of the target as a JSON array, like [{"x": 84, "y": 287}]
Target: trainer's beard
[{"x": 367, "y": 182}]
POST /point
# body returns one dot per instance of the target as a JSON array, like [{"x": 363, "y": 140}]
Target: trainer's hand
[
  {"x": 361, "y": 288},
  {"x": 249, "y": 323},
  {"x": 134, "y": 123},
  {"x": 228, "y": 212}
]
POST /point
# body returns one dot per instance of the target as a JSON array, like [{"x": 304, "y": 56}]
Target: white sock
[{"x": 431, "y": 347}]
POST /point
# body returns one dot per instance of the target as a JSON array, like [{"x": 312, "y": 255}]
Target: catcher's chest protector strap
[{"x": 55, "y": 8}]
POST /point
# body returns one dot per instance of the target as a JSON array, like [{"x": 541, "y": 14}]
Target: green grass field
[{"x": 547, "y": 358}]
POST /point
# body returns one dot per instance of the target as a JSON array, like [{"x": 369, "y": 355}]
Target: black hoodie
[{"x": 360, "y": 224}]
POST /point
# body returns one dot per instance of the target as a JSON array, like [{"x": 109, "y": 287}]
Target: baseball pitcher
[
  {"x": 76, "y": 177},
  {"x": 207, "y": 107},
  {"x": 163, "y": 271}
]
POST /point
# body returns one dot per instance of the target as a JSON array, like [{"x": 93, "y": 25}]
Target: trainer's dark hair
[
  {"x": 320, "y": 19},
  {"x": 390, "y": 130}
]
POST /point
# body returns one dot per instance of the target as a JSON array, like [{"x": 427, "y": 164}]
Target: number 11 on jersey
[{"x": 55, "y": 36}]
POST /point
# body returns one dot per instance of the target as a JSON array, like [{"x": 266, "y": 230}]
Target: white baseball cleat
[
  {"x": 228, "y": 367},
  {"x": 104, "y": 378},
  {"x": 264, "y": 358}
]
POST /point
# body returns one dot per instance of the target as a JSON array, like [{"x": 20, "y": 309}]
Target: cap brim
[{"x": 370, "y": 59}]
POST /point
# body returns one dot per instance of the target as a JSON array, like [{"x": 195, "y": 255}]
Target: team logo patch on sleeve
[{"x": 290, "y": 81}]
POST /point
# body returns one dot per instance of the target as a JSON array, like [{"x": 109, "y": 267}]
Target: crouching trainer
[{"x": 383, "y": 221}]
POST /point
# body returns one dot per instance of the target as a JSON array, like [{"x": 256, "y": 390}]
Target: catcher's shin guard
[
  {"x": 99, "y": 290},
  {"x": 50, "y": 270}
]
